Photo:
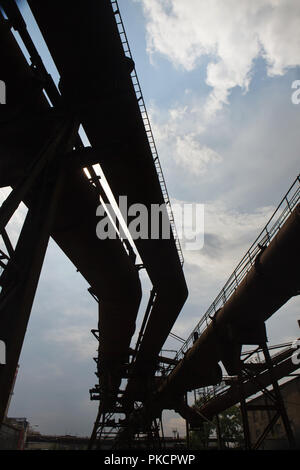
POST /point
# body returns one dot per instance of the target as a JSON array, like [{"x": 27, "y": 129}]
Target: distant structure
[
  {"x": 261, "y": 415},
  {"x": 13, "y": 434}
]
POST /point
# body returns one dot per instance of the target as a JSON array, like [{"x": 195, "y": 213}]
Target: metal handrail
[
  {"x": 272, "y": 227},
  {"x": 148, "y": 129},
  {"x": 220, "y": 389}
]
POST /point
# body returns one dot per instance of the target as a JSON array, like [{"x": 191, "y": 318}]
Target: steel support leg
[
  {"x": 20, "y": 279},
  {"x": 268, "y": 428},
  {"x": 11, "y": 204},
  {"x": 244, "y": 412},
  {"x": 219, "y": 433},
  {"x": 162, "y": 432},
  {"x": 280, "y": 403},
  {"x": 187, "y": 426},
  {"x": 17, "y": 301}
]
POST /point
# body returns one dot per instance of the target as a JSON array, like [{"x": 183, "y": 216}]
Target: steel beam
[
  {"x": 20, "y": 279},
  {"x": 279, "y": 401},
  {"x": 11, "y": 204},
  {"x": 262, "y": 292}
]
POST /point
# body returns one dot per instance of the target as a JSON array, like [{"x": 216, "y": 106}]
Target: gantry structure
[{"x": 46, "y": 162}]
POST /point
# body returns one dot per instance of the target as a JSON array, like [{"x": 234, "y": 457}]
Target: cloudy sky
[{"x": 217, "y": 80}]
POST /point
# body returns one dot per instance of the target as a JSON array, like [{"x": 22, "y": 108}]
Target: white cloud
[
  {"x": 75, "y": 341},
  {"x": 179, "y": 137},
  {"x": 231, "y": 34},
  {"x": 192, "y": 156},
  {"x": 228, "y": 235},
  {"x": 247, "y": 156}
]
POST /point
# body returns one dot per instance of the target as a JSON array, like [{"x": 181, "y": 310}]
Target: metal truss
[
  {"x": 21, "y": 266},
  {"x": 275, "y": 410},
  {"x": 259, "y": 369}
]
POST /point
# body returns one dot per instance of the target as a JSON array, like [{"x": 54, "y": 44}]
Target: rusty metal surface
[
  {"x": 283, "y": 366},
  {"x": 21, "y": 275},
  {"x": 273, "y": 225},
  {"x": 269, "y": 284}
]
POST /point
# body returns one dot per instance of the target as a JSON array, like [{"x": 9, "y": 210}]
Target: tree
[{"x": 230, "y": 425}]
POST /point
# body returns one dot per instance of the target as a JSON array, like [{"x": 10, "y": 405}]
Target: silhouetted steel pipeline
[
  {"x": 189, "y": 373},
  {"x": 283, "y": 367},
  {"x": 95, "y": 80},
  {"x": 273, "y": 280},
  {"x": 103, "y": 263}
]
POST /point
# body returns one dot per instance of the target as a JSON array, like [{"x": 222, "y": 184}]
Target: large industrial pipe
[
  {"x": 282, "y": 367},
  {"x": 270, "y": 283},
  {"x": 103, "y": 263},
  {"x": 95, "y": 79}
]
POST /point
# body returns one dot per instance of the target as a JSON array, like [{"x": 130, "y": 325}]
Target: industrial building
[{"x": 259, "y": 418}]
